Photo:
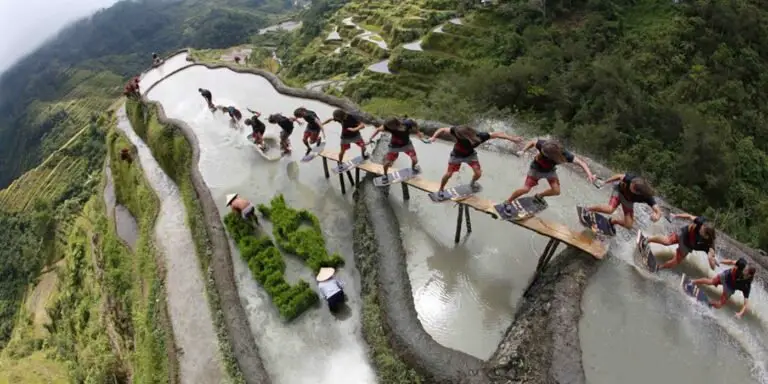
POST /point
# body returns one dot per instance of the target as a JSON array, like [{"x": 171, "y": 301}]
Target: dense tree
[{"x": 671, "y": 90}]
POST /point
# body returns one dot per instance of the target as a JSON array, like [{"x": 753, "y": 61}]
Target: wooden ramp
[{"x": 555, "y": 231}]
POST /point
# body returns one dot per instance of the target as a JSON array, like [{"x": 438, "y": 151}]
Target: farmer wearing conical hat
[
  {"x": 241, "y": 206},
  {"x": 331, "y": 288}
]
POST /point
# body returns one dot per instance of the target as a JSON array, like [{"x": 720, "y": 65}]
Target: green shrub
[
  {"x": 317, "y": 66},
  {"x": 370, "y": 48},
  {"x": 443, "y": 5},
  {"x": 425, "y": 63},
  {"x": 405, "y": 35},
  {"x": 297, "y": 232}
]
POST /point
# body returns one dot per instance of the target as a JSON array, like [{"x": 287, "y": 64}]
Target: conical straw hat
[
  {"x": 231, "y": 197},
  {"x": 325, "y": 274}
]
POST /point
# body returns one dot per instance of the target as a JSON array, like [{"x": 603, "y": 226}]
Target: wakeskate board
[
  {"x": 349, "y": 164},
  {"x": 456, "y": 193},
  {"x": 271, "y": 150},
  {"x": 396, "y": 177},
  {"x": 598, "y": 183},
  {"x": 313, "y": 153},
  {"x": 694, "y": 291},
  {"x": 646, "y": 258},
  {"x": 520, "y": 209},
  {"x": 598, "y": 223}
]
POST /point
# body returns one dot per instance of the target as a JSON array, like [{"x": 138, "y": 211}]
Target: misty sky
[{"x": 25, "y": 24}]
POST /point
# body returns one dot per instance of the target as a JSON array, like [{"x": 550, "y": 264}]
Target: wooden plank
[{"x": 581, "y": 240}]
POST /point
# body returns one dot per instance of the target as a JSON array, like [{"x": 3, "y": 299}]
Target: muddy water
[
  {"x": 315, "y": 348},
  {"x": 380, "y": 67},
  {"x": 125, "y": 223},
  {"x": 413, "y": 46},
  {"x": 473, "y": 286},
  {"x": 284, "y": 26},
  {"x": 333, "y": 36},
  {"x": 679, "y": 338},
  {"x": 199, "y": 360},
  {"x": 465, "y": 294}
]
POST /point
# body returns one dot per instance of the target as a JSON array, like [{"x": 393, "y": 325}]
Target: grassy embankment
[
  {"x": 390, "y": 367},
  {"x": 174, "y": 154},
  {"x": 153, "y": 335}
]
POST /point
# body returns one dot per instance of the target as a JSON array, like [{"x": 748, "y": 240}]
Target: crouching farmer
[
  {"x": 243, "y": 207},
  {"x": 331, "y": 288}
]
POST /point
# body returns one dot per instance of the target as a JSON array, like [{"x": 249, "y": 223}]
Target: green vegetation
[
  {"x": 32, "y": 369},
  {"x": 145, "y": 295},
  {"x": 666, "y": 89},
  {"x": 109, "y": 321},
  {"x": 297, "y": 232},
  {"x": 26, "y": 248},
  {"x": 268, "y": 268},
  {"x": 106, "y": 319},
  {"x": 49, "y": 95},
  {"x": 100, "y": 324},
  {"x": 174, "y": 154},
  {"x": 662, "y": 88},
  {"x": 37, "y": 212},
  {"x": 307, "y": 56},
  {"x": 78, "y": 327},
  {"x": 67, "y": 174}
]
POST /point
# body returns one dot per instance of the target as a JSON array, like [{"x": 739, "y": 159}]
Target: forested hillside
[
  {"x": 49, "y": 95},
  {"x": 674, "y": 90}
]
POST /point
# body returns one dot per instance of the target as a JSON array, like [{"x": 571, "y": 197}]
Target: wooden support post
[
  {"x": 406, "y": 194},
  {"x": 351, "y": 180},
  {"x": 357, "y": 176},
  {"x": 325, "y": 168},
  {"x": 466, "y": 215},
  {"x": 343, "y": 186},
  {"x": 544, "y": 260},
  {"x": 548, "y": 257},
  {"x": 458, "y": 224}
]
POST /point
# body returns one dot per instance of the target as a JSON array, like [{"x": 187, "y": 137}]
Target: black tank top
[
  {"x": 399, "y": 138},
  {"x": 311, "y": 119},
  {"x": 286, "y": 124},
  {"x": 694, "y": 240},
  {"x": 257, "y": 125}
]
